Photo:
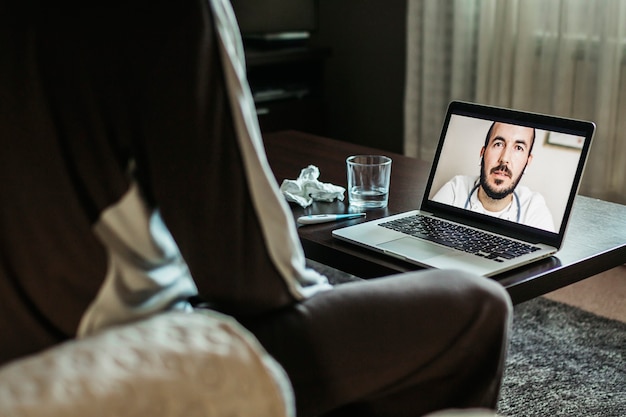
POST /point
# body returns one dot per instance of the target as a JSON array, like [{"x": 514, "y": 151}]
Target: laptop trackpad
[{"x": 414, "y": 248}]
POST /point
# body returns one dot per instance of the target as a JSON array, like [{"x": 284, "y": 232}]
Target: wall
[{"x": 364, "y": 78}]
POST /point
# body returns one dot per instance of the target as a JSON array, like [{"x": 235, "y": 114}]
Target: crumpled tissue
[{"x": 307, "y": 188}]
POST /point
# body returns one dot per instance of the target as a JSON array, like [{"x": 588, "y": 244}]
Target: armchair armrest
[{"x": 173, "y": 364}]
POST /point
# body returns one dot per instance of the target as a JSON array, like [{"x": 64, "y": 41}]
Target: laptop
[{"x": 514, "y": 213}]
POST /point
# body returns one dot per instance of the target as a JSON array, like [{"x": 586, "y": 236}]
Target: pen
[{"x": 323, "y": 218}]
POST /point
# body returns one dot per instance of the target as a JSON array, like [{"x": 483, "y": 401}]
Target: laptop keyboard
[{"x": 486, "y": 245}]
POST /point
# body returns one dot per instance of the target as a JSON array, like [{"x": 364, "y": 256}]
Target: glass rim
[{"x": 375, "y": 159}]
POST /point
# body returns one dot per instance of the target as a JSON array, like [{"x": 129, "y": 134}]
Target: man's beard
[{"x": 494, "y": 194}]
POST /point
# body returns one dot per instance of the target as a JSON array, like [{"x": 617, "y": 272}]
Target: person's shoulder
[
  {"x": 524, "y": 193},
  {"x": 462, "y": 180}
]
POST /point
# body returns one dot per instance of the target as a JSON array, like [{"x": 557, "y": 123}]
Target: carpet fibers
[{"x": 564, "y": 361}]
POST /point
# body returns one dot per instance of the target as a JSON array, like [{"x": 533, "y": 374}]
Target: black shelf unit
[{"x": 288, "y": 88}]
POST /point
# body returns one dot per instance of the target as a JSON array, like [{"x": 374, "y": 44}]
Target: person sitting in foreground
[{"x": 134, "y": 180}]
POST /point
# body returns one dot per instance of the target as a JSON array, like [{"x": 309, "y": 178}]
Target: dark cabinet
[{"x": 288, "y": 87}]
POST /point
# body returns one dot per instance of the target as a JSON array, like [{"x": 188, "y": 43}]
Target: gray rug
[{"x": 562, "y": 361}]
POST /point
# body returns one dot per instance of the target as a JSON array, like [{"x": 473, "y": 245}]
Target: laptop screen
[{"x": 505, "y": 166}]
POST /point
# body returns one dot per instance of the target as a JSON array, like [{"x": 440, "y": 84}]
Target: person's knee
[
  {"x": 465, "y": 282},
  {"x": 469, "y": 292},
  {"x": 491, "y": 308},
  {"x": 493, "y": 299},
  {"x": 496, "y": 299}
]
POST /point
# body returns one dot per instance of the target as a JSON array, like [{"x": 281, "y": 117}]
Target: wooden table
[{"x": 595, "y": 241}]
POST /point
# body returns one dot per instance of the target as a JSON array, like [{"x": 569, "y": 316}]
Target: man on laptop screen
[
  {"x": 495, "y": 219},
  {"x": 506, "y": 153}
]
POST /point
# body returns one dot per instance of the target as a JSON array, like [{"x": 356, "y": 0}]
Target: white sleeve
[
  {"x": 454, "y": 192},
  {"x": 277, "y": 223},
  {"x": 146, "y": 273},
  {"x": 537, "y": 214}
]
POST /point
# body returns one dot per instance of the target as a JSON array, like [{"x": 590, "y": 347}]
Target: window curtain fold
[{"x": 562, "y": 57}]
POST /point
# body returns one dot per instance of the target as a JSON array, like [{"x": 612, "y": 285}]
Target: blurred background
[{"x": 381, "y": 72}]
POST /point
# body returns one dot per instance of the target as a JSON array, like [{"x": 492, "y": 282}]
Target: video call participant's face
[{"x": 504, "y": 158}]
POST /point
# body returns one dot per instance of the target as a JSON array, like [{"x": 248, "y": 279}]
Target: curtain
[{"x": 561, "y": 57}]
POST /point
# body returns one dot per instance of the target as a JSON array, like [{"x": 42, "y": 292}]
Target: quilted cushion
[{"x": 173, "y": 364}]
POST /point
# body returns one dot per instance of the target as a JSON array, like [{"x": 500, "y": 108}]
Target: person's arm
[
  {"x": 537, "y": 213},
  {"x": 453, "y": 192},
  {"x": 201, "y": 160}
]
